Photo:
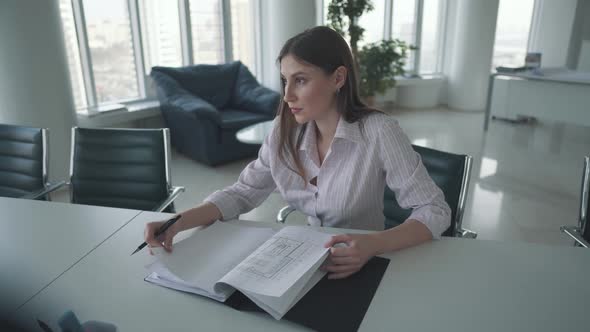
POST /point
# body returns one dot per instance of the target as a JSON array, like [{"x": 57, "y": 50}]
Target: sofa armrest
[
  {"x": 194, "y": 105},
  {"x": 249, "y": 95},
  {"x": 260, "y": 100}
]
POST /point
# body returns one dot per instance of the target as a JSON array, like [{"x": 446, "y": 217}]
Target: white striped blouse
[{"x": 350, "y": 182}]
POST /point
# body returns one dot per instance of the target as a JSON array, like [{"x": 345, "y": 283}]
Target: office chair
[
  {"x": 451, "y": 173},
  {"x": 581, "y": 233},
  {"x": 23, "y": 163},
  {"x": 124, "y": 168}
]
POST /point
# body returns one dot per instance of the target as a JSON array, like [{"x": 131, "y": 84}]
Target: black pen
[{"x": 160, "y": 231}]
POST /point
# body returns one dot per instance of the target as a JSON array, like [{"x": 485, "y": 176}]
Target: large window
[
  {"x": 432, "y": 32},
  {"x": 403, "y": 27},
  {"x": 242, "y": 23},
  {"x": 108, "y": 29},
  {"x": 111, "y": 45},
  {"x": 73, "y": 54},
  {"x": 207, "y": 31},
  {"x": 403, "y": 21},
  {"x": 417, "y": 22},
  {"x": 374, "y": 24},
  {"x": 512, "y": 32},
  {"x": 160, "y": 26}
]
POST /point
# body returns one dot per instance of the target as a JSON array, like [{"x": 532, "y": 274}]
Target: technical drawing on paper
[{"x": 274, "y": 257}]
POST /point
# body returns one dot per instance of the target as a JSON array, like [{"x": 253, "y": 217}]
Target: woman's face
[{"x": 309, "y": 92}]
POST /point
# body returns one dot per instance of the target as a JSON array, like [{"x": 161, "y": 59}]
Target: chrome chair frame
[
  {"x": 173, "y": 191},
  {"x": 576, "y": 232},
  {"x": 459, "y": 230}
]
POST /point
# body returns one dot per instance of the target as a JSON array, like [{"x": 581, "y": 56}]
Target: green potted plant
[{"x": 377, "y": 63}]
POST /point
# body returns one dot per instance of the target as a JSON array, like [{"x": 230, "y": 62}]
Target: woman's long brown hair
[{"x": 324, "y": 48}]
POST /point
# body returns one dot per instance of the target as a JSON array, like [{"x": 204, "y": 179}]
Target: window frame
[
  {"x": 414, "y": 66},
  {"x": 92, "y": 104}
]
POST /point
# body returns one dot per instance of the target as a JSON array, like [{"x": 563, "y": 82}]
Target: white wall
[
  {"x": 281, "y": 20},
  {"x": 580, "y": 37},
  {"x": 34, "y": 84},
  {"x": 551, "y": 31}
]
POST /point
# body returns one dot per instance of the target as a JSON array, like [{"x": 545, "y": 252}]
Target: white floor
[{"x": 525, "y": 179}]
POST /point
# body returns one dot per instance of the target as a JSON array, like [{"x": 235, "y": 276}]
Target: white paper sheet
[
  {"x": 280, "y": 262},
  {"x": 277, "y": 307},
  {"x": 205, "y": 257}
]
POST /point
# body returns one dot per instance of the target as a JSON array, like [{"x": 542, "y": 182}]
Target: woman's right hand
[
  {"x": 204, "y": 214},
  {"x": 164, "y": 240}
]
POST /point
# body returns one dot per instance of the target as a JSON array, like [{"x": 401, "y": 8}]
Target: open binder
[{"x": 267, "y": 270}]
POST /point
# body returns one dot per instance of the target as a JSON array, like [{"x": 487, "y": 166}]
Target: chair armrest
[
  {"x": 465, "y": 233},
  {"x": 284, "y": 213},
  {"x": 46, "y": 190},
  {"x": 194, "y": 105},
  {"x": 574, "y": 233},
  {"x": 174, "y": 193}
]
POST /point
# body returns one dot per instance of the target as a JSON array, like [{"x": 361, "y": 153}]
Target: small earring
[{"x": 337, "y": 91}]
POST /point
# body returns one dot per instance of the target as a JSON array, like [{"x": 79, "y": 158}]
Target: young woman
[{"x": 330, "y": 157}]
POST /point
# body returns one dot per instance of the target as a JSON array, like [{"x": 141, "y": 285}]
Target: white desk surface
[
  {"x": 40, "y": 240},
  {"x": 447, "y": 285}
]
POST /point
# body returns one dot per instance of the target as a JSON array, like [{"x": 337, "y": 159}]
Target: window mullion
[
  {"x": 136, "y": 41},
  {"x": 85, "y": 58},
  {"x": 443, "y": 13},
  {"x": 227, "y": 33},
  {"x": 256, "y": 13},
  {"x": 418, "y": 35},
  {"x": 388, "y": 20},
  {"x": 186, "y": 32}
]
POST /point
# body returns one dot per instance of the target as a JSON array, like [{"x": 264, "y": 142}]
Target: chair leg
[
  {"x": 574, "y": 233},
  {"x": 465, "y": 233}
]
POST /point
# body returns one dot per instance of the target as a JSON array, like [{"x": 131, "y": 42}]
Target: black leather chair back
[
  {"x": 447, "y": 171},
  {"x": 22, "y": 159},
  {"x": 123, "y": 168}
]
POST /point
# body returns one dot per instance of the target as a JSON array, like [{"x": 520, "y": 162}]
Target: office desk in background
[
  {"x": 41, "y": 240},
  {"x": 447, "y": 285},
  {"x": 557, "y": 95}
]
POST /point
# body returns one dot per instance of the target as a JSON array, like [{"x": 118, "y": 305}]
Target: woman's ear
[{"x": 340, "y": 76}]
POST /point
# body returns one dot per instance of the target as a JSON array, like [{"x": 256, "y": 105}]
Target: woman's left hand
[{"x": 350, "y": 258}]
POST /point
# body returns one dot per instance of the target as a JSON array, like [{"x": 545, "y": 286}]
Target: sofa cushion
[
  {"x": 213, "y": 83},
  {"x": 235, "y": 119}
]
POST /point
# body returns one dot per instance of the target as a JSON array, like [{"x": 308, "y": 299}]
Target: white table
[
  {"x": 448, "y": 285},
  {"x": 41, "y": 240},
  {"x": 254, "y": 134},
  {"x": 558, "y": 95}
]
